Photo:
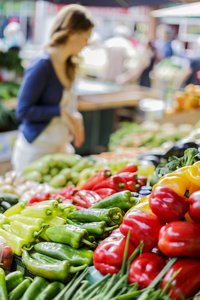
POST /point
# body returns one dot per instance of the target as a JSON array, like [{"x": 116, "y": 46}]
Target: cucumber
[
  {"x": 6, "y": 205},
  {"x": 10, "y": 198}
]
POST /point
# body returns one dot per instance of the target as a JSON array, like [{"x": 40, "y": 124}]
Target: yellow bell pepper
[
  {"x": 193, "y": 173},
  {"x": 175, "y": 181},
  {"x": 143, "y": 205}
]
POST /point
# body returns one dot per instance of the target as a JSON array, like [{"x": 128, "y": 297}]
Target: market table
[{"x": 102, "y": 105}]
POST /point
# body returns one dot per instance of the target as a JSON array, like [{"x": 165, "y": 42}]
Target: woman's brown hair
[{"x": 73, "y": 17}]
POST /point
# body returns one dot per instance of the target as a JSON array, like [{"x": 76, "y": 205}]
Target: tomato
[
  {"x": 6, "y": 264},
  {"x": 7, "y": 252}
]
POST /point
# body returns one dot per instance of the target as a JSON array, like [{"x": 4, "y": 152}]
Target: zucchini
[
  {"x": 6, "y": 205},
  {"x": 8, "y": 197}
]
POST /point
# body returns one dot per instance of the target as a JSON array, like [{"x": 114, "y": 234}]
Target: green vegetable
[
  {"x": 33, "y": 176},
  {"x": 112, "y": 216},
  {"x": 50, "y": 291},
  {"x": 13, "y": 279},
  {"x": 20, "y": 289},
  {"x": 15, "y": 209},
  {"x": 53, "y": 271},
  {"x": 3, "y": 289},
  {"x": 61, "y": 251},
  {"x": 44, "y": 258},
  {"x": 3, "y": 219},
  {"x": 57, "y": 181},
  {"x": 10, "y": 198},
  {"x": 69, "y": 234},
  {"x": 36, "y": 287}
]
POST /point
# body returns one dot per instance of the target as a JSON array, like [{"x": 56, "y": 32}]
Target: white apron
[{"x": 54, "y": 138}]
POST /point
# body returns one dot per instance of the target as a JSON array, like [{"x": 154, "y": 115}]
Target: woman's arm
[{"x": 32, "y": 88}]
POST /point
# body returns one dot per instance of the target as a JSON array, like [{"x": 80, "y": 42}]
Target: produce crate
[
  {"x": 7, "y": 140},
  {"x": 17, "y": 265}
]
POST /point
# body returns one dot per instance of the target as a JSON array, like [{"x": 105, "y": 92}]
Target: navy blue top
[{"x": 39, "y": 96}]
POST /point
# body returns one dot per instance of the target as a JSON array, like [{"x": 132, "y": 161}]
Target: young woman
[{"x": 46, "y": 101}]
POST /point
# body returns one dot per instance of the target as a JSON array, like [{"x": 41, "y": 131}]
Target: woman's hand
[{"x": 75, "y": 123}]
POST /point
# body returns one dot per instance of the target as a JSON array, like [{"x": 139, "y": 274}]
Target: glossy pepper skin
[
  {"x": 115, "y": 182},
  {"x": 124, "y": 200},
  {"x": 86, "y": 198},
  {"x": 180, "y": 238},
  {"x": 144, "y": 226},
  {"x": 175, "y": 181},
  {"x": 96, "y": 178},
  {"x": 130, "y": 167},
  {"x": 187, "y": 281},
  {"x": 68, "y": 191},
  {"x": 69, "y": 234},
  {"x": 194, "y": 210},
  {"x": 193, "y": 173},
  {"x": 167, "y": 204},
  {"x": 39, "y": 197},
  {"x": 105, "y": 192},
  {"x": 108, "y": 255},
  {"x": 145, "y": 268}
]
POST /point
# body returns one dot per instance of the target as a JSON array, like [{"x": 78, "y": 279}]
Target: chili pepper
[
  {"x": 96, "y": 178},
  {"x": 44, "y": 236},
  {"x": 113, "y": 182},
  {"x": 15, "y": 242},
  {"x": 145, "y": 268},
  {"x": 105, "y": 192},
  {"x": 186, "y": 282},
  {"x": 15, "y": 209},
  {"x": 27, "y": 232},
  {"x": 177, "y": 182},
  {"x": 129, "y": 176},
  {"x": 193, "y": 173},
  {"x": 53, "y": 204},
  {"x": 55, "y": 221},
  {"x": 64, "y": 209},
  {"x": 112, "y": 216},
  {"x": 50, "y": 291},
  {"x": 108, "y": 255},
  {"x": 144, "y": 226},
  {"x": 3, "y": 219},
  {"x": 44, "y": 258},
  {"x": 3, "y": 290},
  {"x": 58, "y": 271},
  {"x": 68, "y": 191},
  {"x": 37, "y": 286},
  {"x": 124, "y": 200},
  {"x": 180, "y": 238},
  {"x": 27, "y": 220},
  {"x": 97, "y": 229},
  {"x": 69, "y": 234},
  {"x": 86, "y": 198},
  {"x": 130, "y": 167},
  {"x": 132, "y": 186},
  {"x": 13, "y": 279},
  {"x": 76, "y": 257},
  {"x": 194, "y": 210},
  {"x": 19, "y": 291},
  {"x": 38, "y": 211},
  {"x": 39, "y": 197},
  {"x": 167, "y": 204}
]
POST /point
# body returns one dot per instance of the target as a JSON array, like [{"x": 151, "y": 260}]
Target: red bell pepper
[
  {"x": 167, "y": 204},
  {"x": 68, "y": 191},
  {"x": 132, "y": 186},
  {"x": 145, "y": 268},
  {"x": 108, "y": 255},
  {"x": 105, "y": 192},
  {"x": 39, "y": 197},
  {"x": 86, "y": 198},
  {"x": 194, "y": 210},
  {"x": 130, "y": 167},
  {"x": 186, "y": 282},
  {"x": 114, "y": 182},
  {"x": 144, "y": 226},
  {"x": 180, "y": 238},
  {"x": 96, "y": 178}
]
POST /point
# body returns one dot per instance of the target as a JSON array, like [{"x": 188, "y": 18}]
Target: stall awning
[{"x": 186, "y": 10}]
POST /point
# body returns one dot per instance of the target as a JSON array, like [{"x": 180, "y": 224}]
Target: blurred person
[
  {"x": 163, "y": 41},
  {"x": 47, "y": 101},
  {"x": 142, "y": 72},
  {"x": 119, "y": 49}
]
